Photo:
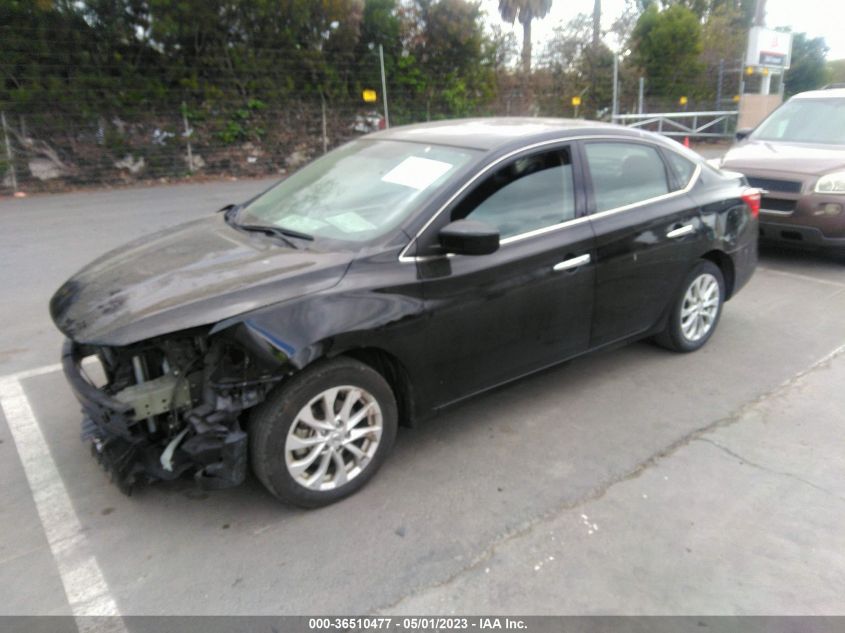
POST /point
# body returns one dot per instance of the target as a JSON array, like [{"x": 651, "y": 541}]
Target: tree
[
  {"x": 263, "y": 45},
  {"x": 666, "y": 44},
  {"x": 836, "y": 71},
  {"x": 572, "y": 65},
  {"x": 723, "y": 40},
  {"x": 808, "y": 68},
  {"x": 525, "y": 11},
  {"x": 446, "y": 60},
  {"x": 567, "y": 44},
  {"x": 500, "y": 48},
  {"x": 380, "y": 25}
]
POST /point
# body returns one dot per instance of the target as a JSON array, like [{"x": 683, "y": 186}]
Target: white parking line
[
  {"x": 85, "y": 587},
  {"x": 32, "y": 373},
  {"x": 784, "y": 273}
]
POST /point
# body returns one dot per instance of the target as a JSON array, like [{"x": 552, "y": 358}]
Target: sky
[{"x": 816, "y": 18}]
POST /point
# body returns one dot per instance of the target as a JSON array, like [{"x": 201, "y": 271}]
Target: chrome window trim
[
  {"x": 406, "y": 259},
  {"x": 664, "y": 196},
  {"x": 544, "y": 229}
]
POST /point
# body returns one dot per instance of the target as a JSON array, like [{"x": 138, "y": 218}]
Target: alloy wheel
[
  {"x": 700, "y": 307},
  {"x": 333, "y": 438}
]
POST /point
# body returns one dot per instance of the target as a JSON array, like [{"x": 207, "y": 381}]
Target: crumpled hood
[
  {"x": 810, "y": 160},
  {"x": 190, "y": 275}
]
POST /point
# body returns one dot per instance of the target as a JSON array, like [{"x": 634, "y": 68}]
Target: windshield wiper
[
  {"x": 276, "y": 231},
  {"x": 231, "y": 211}
]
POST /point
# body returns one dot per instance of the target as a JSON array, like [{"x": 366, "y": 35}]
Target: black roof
[{"x": 496, "y": 133}]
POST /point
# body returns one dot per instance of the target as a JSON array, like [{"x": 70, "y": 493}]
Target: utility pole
[
  {"x": 615, "y": 107},
  {"x": 383, "y": 86},
  {"x": 596, "y": 23},
  {"x": 760, "y": 20}
]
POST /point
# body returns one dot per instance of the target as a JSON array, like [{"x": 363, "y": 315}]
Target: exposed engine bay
[{"x": 172, "y": 405}]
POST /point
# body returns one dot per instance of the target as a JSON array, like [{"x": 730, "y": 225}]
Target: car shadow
[{"x": 793, "y": 256}]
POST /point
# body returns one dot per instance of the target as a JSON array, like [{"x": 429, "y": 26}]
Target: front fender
[{"x": 356, "y": 314}]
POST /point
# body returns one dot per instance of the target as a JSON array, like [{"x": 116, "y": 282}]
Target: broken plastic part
[{"x": 167, "y": 454}]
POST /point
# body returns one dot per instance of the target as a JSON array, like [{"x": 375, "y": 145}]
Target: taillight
[{"x": 751, "y": 197}]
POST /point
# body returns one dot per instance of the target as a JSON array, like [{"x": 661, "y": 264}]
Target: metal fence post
[
  {"x": 323, "y": 112},
  {"x": 9, "y": 152},
  {"x": 641, "y": 95},
  {"x": 188, "y": 132},
  {"x": 719, "y": 84},
  {"x": 383, "y": 86}
]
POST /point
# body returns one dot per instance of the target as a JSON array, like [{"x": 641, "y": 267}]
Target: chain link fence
[{"x": 189, "y": 134}]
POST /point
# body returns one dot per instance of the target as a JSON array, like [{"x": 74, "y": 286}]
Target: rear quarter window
[{"x": 681, "y": 168}]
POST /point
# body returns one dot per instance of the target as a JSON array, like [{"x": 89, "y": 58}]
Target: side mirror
[
  {"x": 469, "y": 237},
  {"x": 743, "y": 133}
]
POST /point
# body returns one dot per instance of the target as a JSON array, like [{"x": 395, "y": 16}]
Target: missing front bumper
[{"x": 210, "y": 443}]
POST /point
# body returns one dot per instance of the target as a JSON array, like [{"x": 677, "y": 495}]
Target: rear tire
[
  {"x": 696, "y": 310},
  {"x": 320, "y": 436}
]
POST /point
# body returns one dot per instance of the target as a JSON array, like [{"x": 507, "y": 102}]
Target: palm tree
[{"x": 525, "y": 11}]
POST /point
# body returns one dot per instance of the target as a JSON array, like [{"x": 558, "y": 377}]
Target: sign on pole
[{"x": 768, "y": 48}]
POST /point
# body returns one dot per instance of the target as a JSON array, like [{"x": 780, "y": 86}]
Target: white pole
[
  {"x": 615, "y": 108},
  {"x": 719, "y": 84},
  {"x": 383, "y": 86},
  {"x": 641, "y": 96},
  {"x": 9, "y": 153},
  {"x": 187, "y": 137},
  {"x": 325, "y": 130}
]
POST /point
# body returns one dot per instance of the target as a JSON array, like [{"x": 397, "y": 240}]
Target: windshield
[
  {"x": 805, "y": 121},
  {"x": 359, "y": 191}
]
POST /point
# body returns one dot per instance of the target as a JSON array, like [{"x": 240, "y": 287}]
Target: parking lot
[{"x": 634, "y": 481}]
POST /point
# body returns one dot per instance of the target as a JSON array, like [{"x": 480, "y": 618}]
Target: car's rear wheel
[
  {"x": 320, "y": 436},
  {"x": 696, "y": 310}
]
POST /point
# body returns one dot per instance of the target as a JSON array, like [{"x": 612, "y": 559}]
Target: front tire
[
  {"x": 696, "y": 309},
  {"x": 320, "y": 436}
]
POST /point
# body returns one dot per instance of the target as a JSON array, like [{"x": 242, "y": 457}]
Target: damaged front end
[{"x": 171, "y": 405}]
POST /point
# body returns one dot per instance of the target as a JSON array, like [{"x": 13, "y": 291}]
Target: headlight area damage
[{"x": 171, "y": 405}]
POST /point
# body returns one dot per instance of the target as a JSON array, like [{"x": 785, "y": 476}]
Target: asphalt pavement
[{"x": 633, "y": 481}]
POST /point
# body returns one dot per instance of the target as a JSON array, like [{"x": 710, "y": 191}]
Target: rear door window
[{"x": 625, "y": 173}]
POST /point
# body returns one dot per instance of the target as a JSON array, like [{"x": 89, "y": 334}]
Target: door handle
[
  {"x": 681, "y": 231},
  {"x": 572, "y": 262}
]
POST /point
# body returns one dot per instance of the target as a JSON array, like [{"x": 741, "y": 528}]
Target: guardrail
[{"x": 708, "y": 124}]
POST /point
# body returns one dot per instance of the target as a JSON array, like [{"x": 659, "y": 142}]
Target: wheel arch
[
  {"x": 726, "y": 266},
  {"x": 393, "y": 371}
]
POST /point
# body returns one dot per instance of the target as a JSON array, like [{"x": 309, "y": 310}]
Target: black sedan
[{"x": 393, "y": 277}]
